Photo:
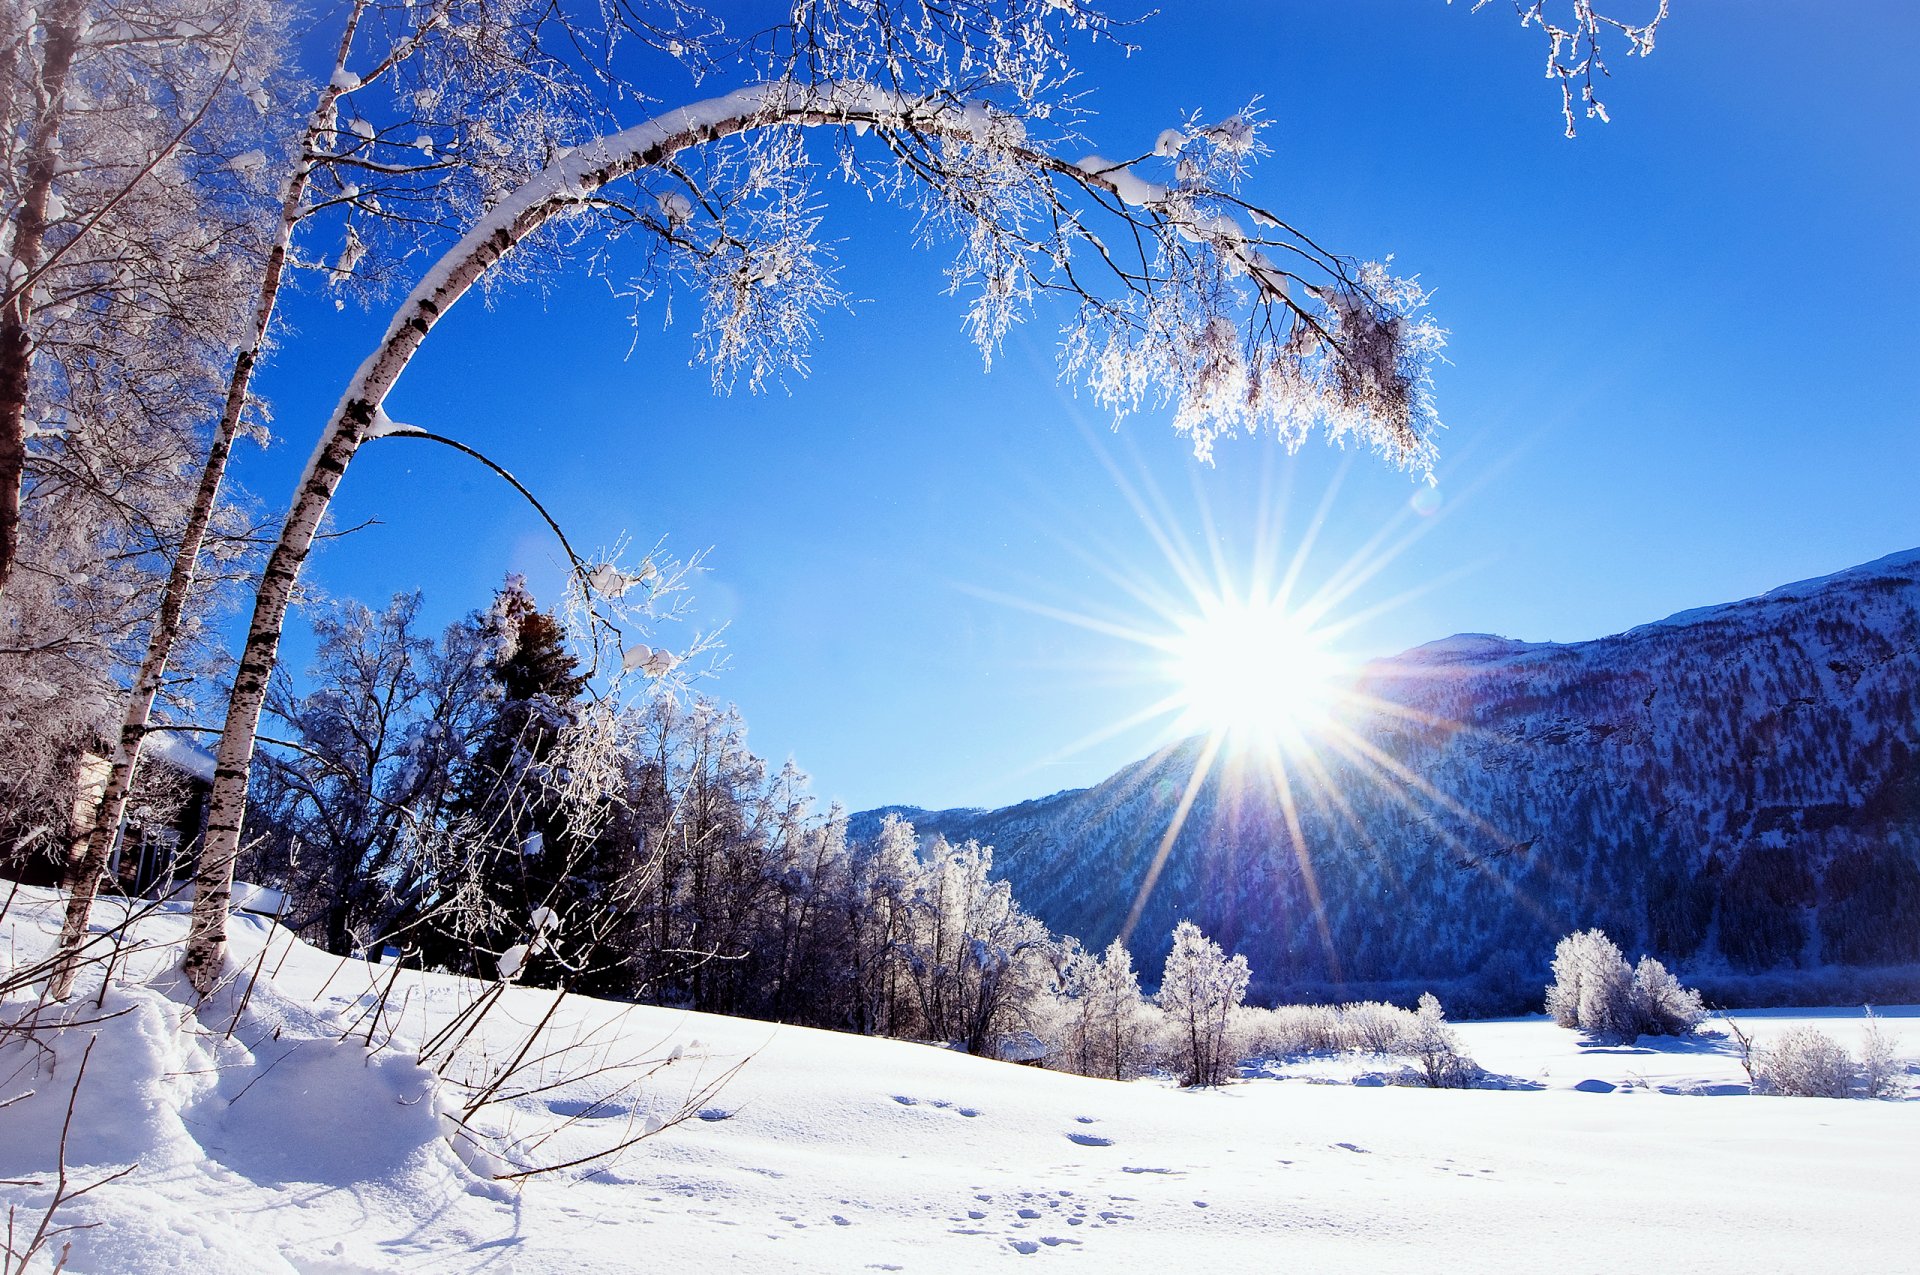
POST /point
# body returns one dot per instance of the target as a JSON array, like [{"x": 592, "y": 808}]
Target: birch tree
[
  {"x": 1178, "y": 291},
  {"x": 122, "y": 235},
  {"x": 425, "y": 113}
]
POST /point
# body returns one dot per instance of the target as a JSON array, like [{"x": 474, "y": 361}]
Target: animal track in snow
[
  {"x": 937, "y": 1104},
  {"x": 1003, "y": 1214}
]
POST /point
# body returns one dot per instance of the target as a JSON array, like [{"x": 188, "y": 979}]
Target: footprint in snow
[
  {"x": 940, "y": 1104},
  {"x": 1089, "y": 1140},
  {"x": 1084, "y": 1119},
  {"x": 1348, "y": 1146}
]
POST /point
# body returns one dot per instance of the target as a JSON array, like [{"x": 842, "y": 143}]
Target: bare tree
[{"x": 356, "y": 796}]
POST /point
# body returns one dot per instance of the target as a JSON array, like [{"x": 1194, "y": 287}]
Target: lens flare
[{"x": 1253, "y": 672}]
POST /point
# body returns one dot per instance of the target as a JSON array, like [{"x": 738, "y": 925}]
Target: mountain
[{"x": 1735, "y": 789}]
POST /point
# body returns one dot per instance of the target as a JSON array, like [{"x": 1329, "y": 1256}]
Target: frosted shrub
[
  {"x": 1878, "y": 1067},
  {"x": 1804, "y": 1063},
  {"x": 1374, "y": 1027},
  {"x": 1594, "y": 990},
  {"x": 1288, "y": 1031},
  {"x": 1661, "y": 1006},
  {"x": 1435, "y": 1048},
  {"x": 1592, "y": 987}
]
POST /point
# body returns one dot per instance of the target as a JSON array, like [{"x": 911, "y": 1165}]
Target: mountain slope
[{"x": 1735, "y": 787}]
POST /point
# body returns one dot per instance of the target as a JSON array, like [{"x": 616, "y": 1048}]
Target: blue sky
[{"x": 1682, "y": 372}]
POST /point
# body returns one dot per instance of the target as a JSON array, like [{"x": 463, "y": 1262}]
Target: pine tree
[{"x": 509, "y": 804}]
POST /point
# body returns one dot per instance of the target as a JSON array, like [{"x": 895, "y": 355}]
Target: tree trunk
[
  {"x": 83, "y": 876},
  {"x": 29, "y": 235}
]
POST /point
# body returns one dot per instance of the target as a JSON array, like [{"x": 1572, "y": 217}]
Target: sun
[{"x": 1253, "y": 671}]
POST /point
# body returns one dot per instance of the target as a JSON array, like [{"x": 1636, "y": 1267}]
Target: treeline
[{"x": 467, "y": 802}]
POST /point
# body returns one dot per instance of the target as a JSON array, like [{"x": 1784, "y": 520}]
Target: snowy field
[{"x": 285, "y": 1148}]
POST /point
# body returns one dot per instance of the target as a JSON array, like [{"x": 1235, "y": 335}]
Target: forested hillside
[{"x": 1736, "y": 789}]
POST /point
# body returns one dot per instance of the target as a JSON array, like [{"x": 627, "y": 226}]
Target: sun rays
[
  {"x": 1243, "y": 652},
  {"x": 1252, "y": 672}
]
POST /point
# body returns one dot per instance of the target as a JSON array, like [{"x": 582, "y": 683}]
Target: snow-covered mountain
[{"x": 1734, "y": 788}]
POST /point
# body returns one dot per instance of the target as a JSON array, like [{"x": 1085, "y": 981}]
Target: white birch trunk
[{"x": 83, "y": 875}]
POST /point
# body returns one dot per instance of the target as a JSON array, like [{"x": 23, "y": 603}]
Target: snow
[
  {"x": 180, "y": 753},
  {"x": 293, "y": 1147},
  {"x": 1896, "y": 565}
]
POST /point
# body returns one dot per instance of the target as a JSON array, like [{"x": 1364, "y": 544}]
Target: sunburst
[{"x": 1255, "y": 666}]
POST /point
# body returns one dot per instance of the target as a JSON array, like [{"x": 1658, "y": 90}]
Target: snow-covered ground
[{"x": 286, "y": 1148}]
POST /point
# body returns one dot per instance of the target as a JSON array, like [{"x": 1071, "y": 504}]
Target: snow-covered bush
[
  {"x": 1199, "y": 992},
  {"x": 1803, "y": 1063},
  {"x": 1878, "y": 1067},
  {"x": 1435, "y": 1047},
  {"x": 1288, "y": 1031},
  {"x": 1374, "y": 1027},
  {"x": 1661, "y": 1006},
  {"x": 1597, "y": 992}
]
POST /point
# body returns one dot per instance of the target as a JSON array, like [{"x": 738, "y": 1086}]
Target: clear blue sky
[{"x": 1683, "y": 371}]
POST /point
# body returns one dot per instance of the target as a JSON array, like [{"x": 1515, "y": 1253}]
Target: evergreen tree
[{"x": 529, "y": 845}]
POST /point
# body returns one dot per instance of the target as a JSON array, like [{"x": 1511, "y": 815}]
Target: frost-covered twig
[{"x": 1574, "y": 55}]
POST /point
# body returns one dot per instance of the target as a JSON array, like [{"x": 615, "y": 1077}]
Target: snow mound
[{"x": 255, "y": 1094}]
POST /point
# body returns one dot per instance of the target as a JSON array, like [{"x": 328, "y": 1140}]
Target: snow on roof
[{"x": 179, "y": 752}]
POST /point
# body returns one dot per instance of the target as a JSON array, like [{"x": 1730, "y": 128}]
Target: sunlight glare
[{"x": 1253, "y": 671}]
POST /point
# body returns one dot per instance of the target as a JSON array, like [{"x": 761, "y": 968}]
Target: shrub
[
  {"x": 1435, "y": 1047},
  {"x": 1660, "y": 1005},
  {"x": 1374, "y": 1027},
  {"x": 1289, "y": 1031},
  {"x": 1596, "y": 991},
  {"x": 1878, "y": 1067},
  {"x": 1803, "y": 1063}
]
